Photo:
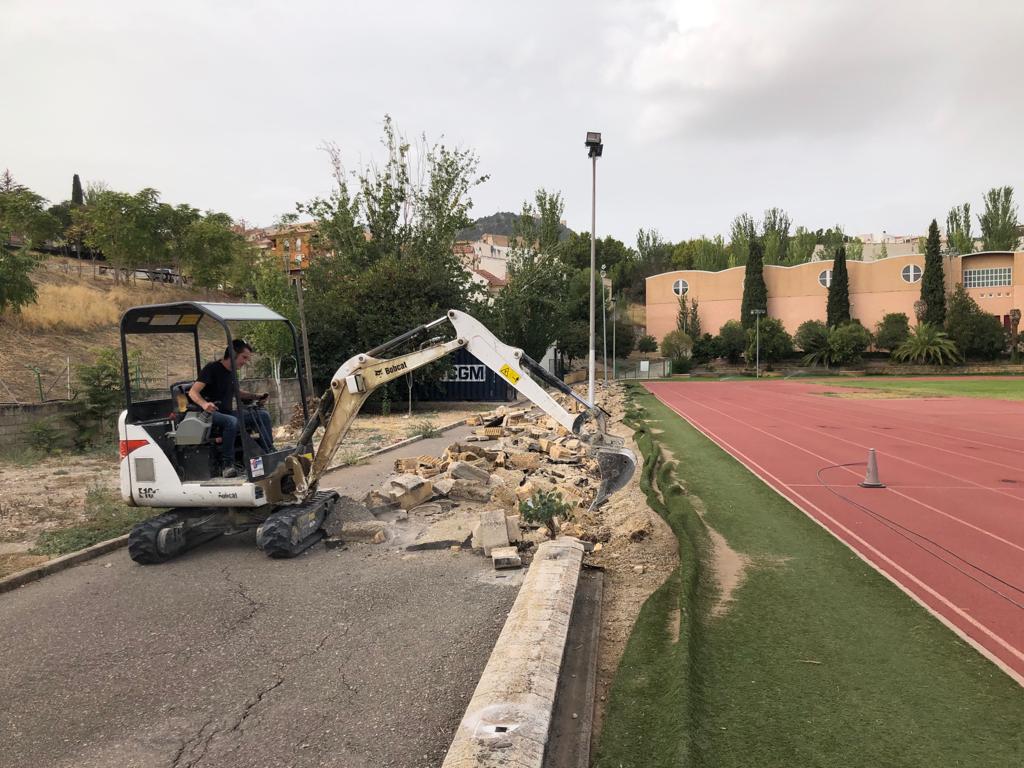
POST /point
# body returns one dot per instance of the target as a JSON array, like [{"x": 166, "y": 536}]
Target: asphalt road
[{"x": 364, "y": 656}]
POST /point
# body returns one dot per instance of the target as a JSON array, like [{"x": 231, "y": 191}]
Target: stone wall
[{"x": 16, "y": 420}]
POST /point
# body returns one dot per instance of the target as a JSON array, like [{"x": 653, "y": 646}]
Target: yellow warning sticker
[{"x": 508, "y": 373}]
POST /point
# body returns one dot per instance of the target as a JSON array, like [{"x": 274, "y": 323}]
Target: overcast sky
[{"x": 876, "y": 114}]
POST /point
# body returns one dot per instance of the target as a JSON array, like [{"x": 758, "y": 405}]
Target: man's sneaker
[{"x": 229, "y": 472}]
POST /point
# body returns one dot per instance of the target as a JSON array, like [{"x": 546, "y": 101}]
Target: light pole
[
  {"x": 594, "y": 150},
  {"x": 604, "y": 325},
  {"x": 614, "y": 308},
  {"x": 757, "y": 343}
]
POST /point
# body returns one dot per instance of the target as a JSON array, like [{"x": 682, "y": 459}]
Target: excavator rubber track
[
  {"x": 165, "y": 536},
  {"x": 292, "y": 530}
]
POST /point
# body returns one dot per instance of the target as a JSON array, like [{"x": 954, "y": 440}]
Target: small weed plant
[{"x": 542, "y": 507}]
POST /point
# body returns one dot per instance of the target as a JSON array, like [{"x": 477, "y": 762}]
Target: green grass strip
[
  {"x": 981, "y": 386},
  {"x": 819, "y": 660},
  {"x": 107, "y": 517}
]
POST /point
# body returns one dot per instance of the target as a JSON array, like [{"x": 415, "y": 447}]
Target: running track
[{"x": 953, "y": 530}]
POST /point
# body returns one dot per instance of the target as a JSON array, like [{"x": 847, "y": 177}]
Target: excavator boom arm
[{"x": 360, "y": 375}]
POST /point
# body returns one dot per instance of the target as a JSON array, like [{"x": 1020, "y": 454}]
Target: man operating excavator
[{"x": 214, "y": 392}]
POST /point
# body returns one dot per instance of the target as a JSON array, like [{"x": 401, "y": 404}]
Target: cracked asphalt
[{"x": 365, "y": 656}]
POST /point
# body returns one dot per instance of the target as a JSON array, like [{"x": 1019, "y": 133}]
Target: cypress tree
[
  {"x": 694, "y": 324},
  {"x": 838, "y": 310},
  {"x": 755, "y": 292},
  {"x": 76, "y": 191},
  {"x": 933, "y": 283}
]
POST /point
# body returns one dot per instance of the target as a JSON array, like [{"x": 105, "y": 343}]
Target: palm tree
[{"x": 927, "y": 344}]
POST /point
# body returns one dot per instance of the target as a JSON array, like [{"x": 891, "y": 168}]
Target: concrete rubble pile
[{"x": 512, "y": 454}]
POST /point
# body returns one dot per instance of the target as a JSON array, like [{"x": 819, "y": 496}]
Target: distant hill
[{"x": 500, "y": 223}]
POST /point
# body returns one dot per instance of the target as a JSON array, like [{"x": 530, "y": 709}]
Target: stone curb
[
  {"x": 509, "y": 717},
  {"x": 21, "y": 578},
  {"x": 61, "y": 563}
]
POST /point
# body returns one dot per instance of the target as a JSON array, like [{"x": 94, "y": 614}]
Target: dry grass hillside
[{"x": 77, "y": 312}]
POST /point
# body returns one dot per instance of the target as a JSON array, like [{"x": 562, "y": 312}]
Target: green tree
[
  {"x": 705, "y": 348},
  {"x": 102, "y": 385},
  {"x": 624, "y": 338},
  {"x": 801, "y": 247},
  {"x": 811, "y": 338},
  {"x": 77, "y": 197},
  {"x": 848, "y": 343},
  {"x": 210, "y": 246},
  {"x": 976, "y": 333},
  {"x": 683, "y": 314},
  {"x": 776, "y": 343},
  {"x": 999, "y": 225},
  {"x": 892, "y": 331},
  {"x": 23, "y": 214},
  {"x": 676, "y": 345},
  {"x": 693, "y": 326},
  {"x": 927, "y": 344},
  {"x": 273, "y": 341},
  {"x": 755, "y": 292},
  {"x": 775, "y": 236},
  {"x": 647, "y": 344},
  {"x": 528, "y": 310},
  {"x": 128, "y": 229},
  {"x": 933, "y": 282},
  {"x": 701, "y": 253},
  {"x": 742, "y": 233},
  {"x": 732, "y": 341},
  {"x": 958, "y": 229},
  {"x": 838, "y": 307},
  {"x": 16, "y": 287},
  {"x": 370, "y": 290}
]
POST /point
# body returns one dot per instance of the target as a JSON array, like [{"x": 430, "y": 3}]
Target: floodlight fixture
[{"x": 593, "y": 143}]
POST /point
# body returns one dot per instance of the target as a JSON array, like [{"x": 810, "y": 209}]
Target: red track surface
[{"x": 954, "y": 470}]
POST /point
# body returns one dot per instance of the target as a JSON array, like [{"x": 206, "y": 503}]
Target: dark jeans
[{"x": 228, "y": 425}]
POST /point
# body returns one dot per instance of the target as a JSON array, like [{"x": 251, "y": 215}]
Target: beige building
[{"x": 795, "y": 294}]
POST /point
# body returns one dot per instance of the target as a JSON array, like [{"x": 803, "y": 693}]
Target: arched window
[
  {"x": 911, "y": 273},
  {"x": 680, "y": 287},
  {"x": 825, "y": 278}
]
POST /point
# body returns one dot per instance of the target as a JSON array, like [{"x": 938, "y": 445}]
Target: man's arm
[{"x": 196, "y": 396}]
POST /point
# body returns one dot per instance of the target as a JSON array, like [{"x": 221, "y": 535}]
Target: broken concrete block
[
  {"x": 512, "y": 528},
  {"x": 492, "y": 531},
  {"x": 460, "y": 470},
  {"x": 408, "y": 491},
  {"x": 346, "y": 510},
  {"x": 444, "y": 485},
  {"x": 365, "y": 530},
  {"x": 524, "y": 460},
  {"x": 545, "y": 445},
  {"x": 428, "y": 510},
  {"x": 506, "y": 557},
  {"x": 525, "y": 491},
  {"x": 468, "y": 490}
]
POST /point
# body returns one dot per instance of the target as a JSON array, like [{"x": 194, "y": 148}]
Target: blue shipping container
[{"x": 468, "y": 380}]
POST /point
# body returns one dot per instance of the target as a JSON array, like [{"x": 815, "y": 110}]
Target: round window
[
  {"x": 911, "y": 273},
  {"x": 825, "y": 278},
  {"x": 680, "y": 287}
]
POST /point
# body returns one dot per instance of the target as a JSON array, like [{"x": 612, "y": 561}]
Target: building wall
[{"x": 795, "y": 294}]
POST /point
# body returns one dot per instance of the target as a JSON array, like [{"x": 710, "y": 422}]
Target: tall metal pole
[
  {"x": 592, "y": 362},
  {"x": 615, "y": 310},
  {"x": 604, "y": 325},
  {"x": 305, "y": 338}
]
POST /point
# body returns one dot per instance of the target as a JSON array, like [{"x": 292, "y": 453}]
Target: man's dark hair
[{"x": 239, "y": 346}]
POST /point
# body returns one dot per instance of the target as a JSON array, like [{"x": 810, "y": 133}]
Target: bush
[
  {"x": 682, "y": 365},
  {"x": 705, "y": 349},
  {"x": 732, "y": 341},
  {"x": 43, "y": 436},
  {"x": 848, "y": 343},
  {"x": 892, "y": 330},
  {"x": 975, "y": 332},
  {"x": 542, "y": 507},
  {"x": 776, "y": 343},
  {"x": 647, "y": 344},
  {"x": 424, "y": 428},
  {"x": 927, "y": 344},
  {"x": 812, "y": 339},
  {"x": 103, "y": 388},
  {"x": 676, "y": 345}
]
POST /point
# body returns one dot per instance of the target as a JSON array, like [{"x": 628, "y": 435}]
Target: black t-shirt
[{"x": 219, "y": 387}]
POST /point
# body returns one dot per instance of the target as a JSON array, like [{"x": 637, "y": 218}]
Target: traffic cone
[{"x": 871, "y": 478}]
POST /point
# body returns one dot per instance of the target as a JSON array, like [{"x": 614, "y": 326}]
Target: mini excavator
[{"x": 170, "y": 455}]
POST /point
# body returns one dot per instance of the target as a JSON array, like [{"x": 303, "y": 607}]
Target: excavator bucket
[{"x": 617, "y": 466}]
